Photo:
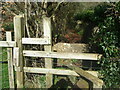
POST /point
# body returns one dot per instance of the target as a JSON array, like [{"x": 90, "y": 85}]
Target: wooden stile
[
  {"x": 48, "y": 48},
  {"x": 18, "y": 29},
  {"x": 65, "y": 55},
  {"x": 17, "y": 58},
  {"x": 10, "y": 62}
]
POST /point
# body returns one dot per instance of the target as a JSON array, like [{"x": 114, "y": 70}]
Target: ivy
[{"x": 107, "y": 39}]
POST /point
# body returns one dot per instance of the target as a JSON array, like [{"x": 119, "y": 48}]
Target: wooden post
[
  {"x": 16, "y": 57},
  {"x": 18, "y": 29},
  {"x": 48, "y": 61},
  {"x": 10, "y": 61}
]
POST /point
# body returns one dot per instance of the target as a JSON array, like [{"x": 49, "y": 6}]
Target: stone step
[{"x": 67, "y": 47}]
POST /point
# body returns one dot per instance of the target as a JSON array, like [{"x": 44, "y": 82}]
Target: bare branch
[
  {"x": 37, "y": 31},
  {"x": 26, "y": 19},
  {"x": 56, "y": 8}
]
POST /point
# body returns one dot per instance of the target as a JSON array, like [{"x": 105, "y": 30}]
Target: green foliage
[
  {"x": 93, "y": 15},
  {"x": 85, "y": 15},
  {"x": 106, "y": 38},
  {"x": 74, "y": 60},
  {"x": 4, "y": 69},
  {"x": 8, "y": 26},
  {"x": 99, "y": 13},
  {"x": 111, "y": 72}
]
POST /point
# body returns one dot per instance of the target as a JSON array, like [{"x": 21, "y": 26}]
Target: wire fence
[
  {"x": 85, "y": 64},
  {"x": 39, "y": 80}
]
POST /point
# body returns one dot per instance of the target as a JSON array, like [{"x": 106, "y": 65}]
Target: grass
[
  {"x": 3, "y": 54},
  {"x": 5, "y": 79},
  {"x": 4, "y": 68}
]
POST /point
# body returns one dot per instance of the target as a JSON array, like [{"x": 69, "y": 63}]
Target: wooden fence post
[
  {"x": 48, "y": 61},
  {"x": 10, "y": 61},
  {"x": 18, "y": 29}
]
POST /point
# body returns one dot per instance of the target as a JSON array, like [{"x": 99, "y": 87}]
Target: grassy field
[{"x": 4, "y": 68}]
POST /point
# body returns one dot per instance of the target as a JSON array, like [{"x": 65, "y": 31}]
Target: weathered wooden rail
[
  {"x": 42, "y": 41},
  {"x": 64, "y": 55},
  {"x": 16, "y": 59},
  {"x": 7, "y": 43}
]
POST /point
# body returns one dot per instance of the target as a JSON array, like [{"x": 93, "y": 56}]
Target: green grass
[
  {"x": 3, "y": 54},
  {"x": 4, "y": 79}
]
